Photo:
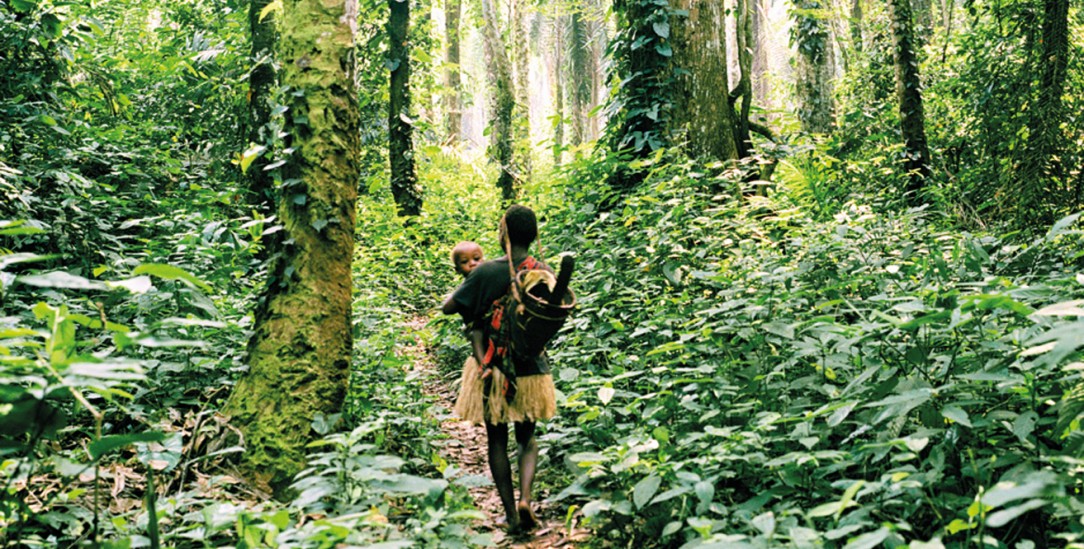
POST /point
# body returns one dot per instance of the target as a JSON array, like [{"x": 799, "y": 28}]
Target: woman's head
[{"x": 521, "y": 225}]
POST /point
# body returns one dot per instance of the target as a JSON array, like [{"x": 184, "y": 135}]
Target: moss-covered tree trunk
[
  {"x": 504, "y": 101},
  {"x": 404, "y": 181},
  {"x": 261, "y": 82},
  {"x": 452, "y": 77},
  {"x": 811, "y": 34},
  {"x": 909, "y": 97},
  {"x": 702, "y": 108},
  {"x": 1041, "y": 171},
  {"x": 299, "y": 354}
]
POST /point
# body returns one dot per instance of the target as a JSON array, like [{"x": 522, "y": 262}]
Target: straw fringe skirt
[{"x": 535, "y": 397}]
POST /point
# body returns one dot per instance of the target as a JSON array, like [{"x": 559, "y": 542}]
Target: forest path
[{"x": 466, "y": 449}]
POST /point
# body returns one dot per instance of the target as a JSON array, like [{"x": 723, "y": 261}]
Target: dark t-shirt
[{"x": 474, "y": 298}]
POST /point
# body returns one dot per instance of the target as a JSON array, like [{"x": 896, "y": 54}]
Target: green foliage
[
  {"x": 744, "y": 374},
  {"x": 641, "y": 75}
]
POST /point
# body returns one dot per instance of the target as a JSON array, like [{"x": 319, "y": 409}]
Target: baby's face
[{"x": 467, "y": 260}]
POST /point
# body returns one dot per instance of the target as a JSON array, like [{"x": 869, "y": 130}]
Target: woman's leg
[
  {"x": 528, "y": 460},
  {"x": 497, "y": 435}
]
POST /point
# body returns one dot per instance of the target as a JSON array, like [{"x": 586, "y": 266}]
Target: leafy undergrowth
[
  {"x": 738, "y": 374},
  {"x": 741, "y": 371}
]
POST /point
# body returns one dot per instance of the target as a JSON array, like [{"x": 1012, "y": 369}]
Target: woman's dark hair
[{"x": 521, "y": 224}]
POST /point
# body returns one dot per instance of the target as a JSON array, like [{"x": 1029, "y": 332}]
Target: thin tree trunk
[
  {"x": 703, "y": 108},
  {"x": 299, "y": 353},
  {"x": 404, "y": 181},
  {"x": 579, "y": 77},
  {"x": 504, "y": 101},
  {"x": 760, "y": 45},
  {"x": 745, "y": 84},
  {"x": 452, "y": 78},
  {"x": 261, "y": 82},
  {"x": 922, "y": 11},
  {"x": 857, "y": 41},
  {"x": 909, "y": 95},
  {"x": 555, "y": 68},
  {"x": 521, "y": 128}
]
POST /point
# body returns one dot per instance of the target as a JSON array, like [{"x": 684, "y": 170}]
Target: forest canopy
[{"x": 829, "y": 286}]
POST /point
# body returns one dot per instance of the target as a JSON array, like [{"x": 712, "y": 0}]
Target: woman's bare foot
[{"x": 527, "y": 519}]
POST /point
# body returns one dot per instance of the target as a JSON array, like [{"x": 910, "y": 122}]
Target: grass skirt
[{"x": 535, "y": 397}]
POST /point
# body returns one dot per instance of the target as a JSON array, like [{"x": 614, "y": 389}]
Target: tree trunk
[
  {"x": 702, "y": 108},
  {"x": 909, "y": 95},
  {"x": 555, "y": 70},
  {"x": 299, "y": 354},
  {"x": 404, "y": 182},
  {"x": 261, "y": 82},
  {"x": 746, "y": 39},
  {"x": 1040, "y": 164},
  {"x": 857, "y": 41},
  {"x": 812, "y": 35},
  {"x": 922, "y": 11},
  {"x": 760, "y": 44},
  {"x": 521, "y": 128},
  {"x": 452, "y": 79},
  {"x": 504, "y": 101},
  {"x": 579, "y": 75}
]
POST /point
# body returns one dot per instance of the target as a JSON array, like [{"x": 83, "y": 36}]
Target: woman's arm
[
  {"x": 450, "y": 307},
  {"x": 478, "y": 348}
]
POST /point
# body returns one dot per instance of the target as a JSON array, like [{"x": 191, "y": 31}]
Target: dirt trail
[{"x": 466, "y": 449}]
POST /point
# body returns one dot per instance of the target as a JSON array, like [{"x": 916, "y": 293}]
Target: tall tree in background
[
  {"x": 922, "y": 11},
  {"x": 521, "y": 120},
  {"x": 857, "y": 40},
  {"x": 261, "y": 82},
  {"x": 1040, "y": 168},
  {"x": 299, "y": 353},
  {"x": 811, "y": 34},
  {"x": 909, "y": 96},
  {"x": 760, "y": 46},
  {"x": 702, "y": 109},
  {"x": 452, "y": 77},
  {"x": 503, "y": 100},
  {"x": 579, "y": 69},
  {"x": 404, "y": 181},
  {"x": 555, "y": 70}
]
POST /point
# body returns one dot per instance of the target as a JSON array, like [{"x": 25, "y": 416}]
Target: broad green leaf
[
  {"x": 106, "y": 444},
  {"x": 765, "y": 523},
  {"x": 1067, "y": 308},
  {"x": 645, "y": 490},
  {"x": 120, "y": 371},
  {"x": 136, "y": 285},
  {"x": 250, "y": 155},
  {"x": 606, "y": 393},
  {"x": 1024, "y": 424},
  {"x": 169, "y": 272},
  {"x": 1005, "y": 492},
  {"x": 272, "y": 6},
  {"x": 869, "y": 540},
  {"x": 1003, "y": 517},
  {"x": 957, "y": 415},
  {"x": 60, "y": 279},
  {"x": 958, "y": 525}
]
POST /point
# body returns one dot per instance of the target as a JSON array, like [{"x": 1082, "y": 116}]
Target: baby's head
[{"x": 466, "y": 256}]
